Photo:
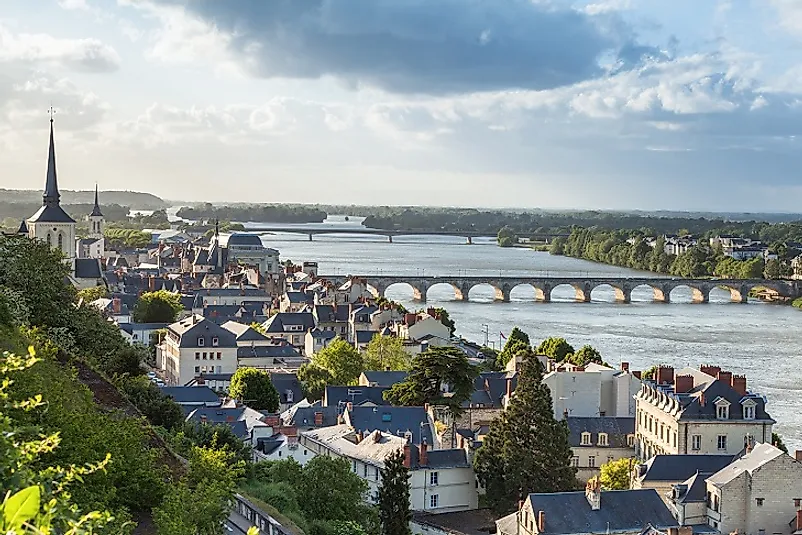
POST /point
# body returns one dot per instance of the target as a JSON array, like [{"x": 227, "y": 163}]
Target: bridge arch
[
  {"x": 525, "y": 291},
  {"x": 438, "y": 289},
  {"x": 500, "y": 292},
  {"x": 621, "y": 292},
  {"x": 659, "y": 293},
  {"x": 581, "y": 291},
  {"x": 700, "y": 293},
  {"x": 418, "y": 288}
]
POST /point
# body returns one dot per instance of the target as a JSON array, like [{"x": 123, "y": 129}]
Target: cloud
[
  {"x": 86, "y": 55},
  {"x": 402, "y": 46}
]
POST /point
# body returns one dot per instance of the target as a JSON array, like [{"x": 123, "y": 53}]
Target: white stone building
[
  {"x": 196, "y": 346},
  {"x": 592, "y": 391}
]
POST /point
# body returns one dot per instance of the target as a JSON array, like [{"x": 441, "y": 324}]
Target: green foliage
[
  {"x": 394, "y": 513},
  {"x": 557, "y": 348},
  {"x": 201, "y": 503},
  {"x": 516, "y": 342},
  {"x": 649, "y": 374},
  {"x": 526, "y": 449},
  {"x": 157, "y": 307},
  {"x": 386, "y": 353},
  {"x": 262, "y": 213},
  {"x": 159, "y": 409},
  {"x": 125, "y": 237},
  {"x": 778, "y": 443},
  {"x": 341, "y": 360},
  {"x": 431, "y": 370},
  {"x": 585, "y": 356},
  {"x": 445, "y": 319},
  {"x": 557, "y": 246},
  {"x": 506, "y": 237},
  {"x": 314, "y": 380},
  {"x": 206, "y": 435},
  {"x": 615, "y": 475},
  {"x": 322, "y": 497},
  {"x": 92, "y": 294},
  {"x": 258, "y": 327},
  {"x": 254, "y": 388},
  {"x": 743, "y": 269}
]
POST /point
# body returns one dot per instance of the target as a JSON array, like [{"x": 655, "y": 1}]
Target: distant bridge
[
  {"x": 467, "y": 234},
  {"x": 583, "y": 286}
]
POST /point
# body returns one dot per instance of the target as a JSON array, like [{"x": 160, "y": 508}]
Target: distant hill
[{"x": 133, "y": 199}]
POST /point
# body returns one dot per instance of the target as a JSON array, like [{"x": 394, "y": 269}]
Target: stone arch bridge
[{"x": 583, "y": 286}]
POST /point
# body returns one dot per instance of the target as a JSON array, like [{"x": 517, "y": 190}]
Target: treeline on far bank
[{"x": 702, "y": 260}]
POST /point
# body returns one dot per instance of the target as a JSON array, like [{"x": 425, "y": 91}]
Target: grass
[{"x": 272, "y": 511}]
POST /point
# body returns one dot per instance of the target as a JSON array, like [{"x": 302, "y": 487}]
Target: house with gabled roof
[{"x": 195, "y": 346}]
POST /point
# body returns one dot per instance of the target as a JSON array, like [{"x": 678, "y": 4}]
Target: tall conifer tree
[
  {"x": 394, "y": 511},
  {"x": 526, "y": 450}
]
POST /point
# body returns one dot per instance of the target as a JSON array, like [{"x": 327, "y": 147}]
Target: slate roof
[
  {"x": 692, "y": 490},
  {"x": 191, "y": 329},
  {"x": 616, "y": 428},
  {"x": 384, "y": 378},
  {"x": 305, "y": 416},
  {"x": 323, "y": 335},
  {"x": 288, "y": 386},
  {"x": 240, "y": 419},
  {"x": 364, "y": 337},
  {"x": 243, "y": 332},
  {"x": 681, "y": 467},
  {"x": 278, "y": 322},
  {"x": 53, "y": 213},
  {"x": 393, "y": 420},
  {"x": 335, "y": 395},
  {"x": 330, "y": 313},
  {"x": 475, "y": 522},
  {"x": 227, "y": 292},
  {"x": 621, "y": 511},
  {"x": 191, "y": 394},
  {"x": 240, "y": 239},
  {"x": 276, "y": 351},
  {"x": 299, "y": 297},
  {"x": 760, "y": 455},
  {"x": 88, "y": 268},
  {"x": 23, "y": 228},
  {"x": 451, "y": 458},
  {"x": 490, "y": 389}
]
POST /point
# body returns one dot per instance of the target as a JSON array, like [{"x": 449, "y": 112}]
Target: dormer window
[
  {"x": 585, "y": 441},
  {"x": 749, "y": 409},
  {"x": 603, "y": 440},
  {"x": 201, "y": 341},
  {"x": 215, "y": 341},
  {"x": 722, "y": 409}
]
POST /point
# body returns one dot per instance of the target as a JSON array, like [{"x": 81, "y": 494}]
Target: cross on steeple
[
  {"x": 51, "y": 196},
  {"x": 51, "y": 112}
]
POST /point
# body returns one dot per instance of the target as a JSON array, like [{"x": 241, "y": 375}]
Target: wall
[
  {"x": 577, "y": 392},
  {"x": 735, "y": 431},
  {"x": 188, "y": 363},
  {"x": 601, "y": 456},
  {"x": 456, "y": 490}
]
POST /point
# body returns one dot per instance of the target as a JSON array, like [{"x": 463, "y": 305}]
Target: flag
[{"x": 501, "y": 334}]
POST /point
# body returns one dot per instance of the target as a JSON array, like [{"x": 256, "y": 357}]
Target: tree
[
  {"x": 506, "y": 237},
  {"x": 777, "y": 442},
  {"x": 341, "y": 360},
  {"x": 585, "y": 356},
  {"x": 314, "y": 379},
  {"x": 332, "y": 491},
  {"x": 516, "y": 342},
  {"x": 772, "y": 270},
  {"x": 157, "y": 307},
  {"x": 206, "y": 435},
  {"x": 615, "y": 475},
  {"x": 556, "y": 348},
  {"x": 394, "y": 511},
  {"x": 159, "y": 409},
  {"x": 386, "y": 353},
  {"x": 92, "y": 294},
  {"x": 431, "y": 372},
  {"x": 526, "y": 449},
  {"x": 201, "y": 503},
  {"x": 649, "y": 374},
  {"x": 254, "y": 388}
]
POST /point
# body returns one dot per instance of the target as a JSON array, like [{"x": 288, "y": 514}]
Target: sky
[{"x": 602, "y": 104}]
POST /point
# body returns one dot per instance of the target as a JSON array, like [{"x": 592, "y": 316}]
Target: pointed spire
[
  {"x": 96, "y": 209},
  {"x": 51, "y": 196}
]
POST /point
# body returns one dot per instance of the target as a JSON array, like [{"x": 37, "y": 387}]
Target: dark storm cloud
[{"x": 409, "y": 46}]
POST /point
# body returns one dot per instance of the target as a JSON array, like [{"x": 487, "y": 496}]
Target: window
[
  {"x": 696, "y": 442},
  {"x": 722, "y": 410},
  {"x": 631, "y": 440},
  {"x": 197, "y": 355},
  {"x": 204, "y": 355},
  {"x": 197, "y": 369},
  {"x": 201, "y": 341},
  {"x": 603, "y": 440},
  {"x": 675, "y": 439},
  {"x": 365, "y": 471},
  {"x": 609, "y": 458},
  {"x": 434, "y": 500},
  {"x": 354, "y": 465},
  {"x": 722, "y": 442},
  {"x": 60, "y": 241},
  {"x": 749, "y": 412},
  {"x": 715, "y": 503},
  {"x": 215, "y": 341},
  {"x": 219, "y": 355},
  {"x": 575, "y": 462},
  {"x": 797, "y": 502},
  {"x": 759, "y": 502},
  {"x": 585, "y": 439},
  {"x": 433, "y": 477},
  {"x": 592, "y": 461}
]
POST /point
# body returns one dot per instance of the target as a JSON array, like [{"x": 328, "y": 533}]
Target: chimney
[
  {"x": 625, "y": 366},
  {"x": 665, "y": 375},
  {"x": 685, "y": 530},
  {"x": 637, "y": 373},
  {"x": 593, "y": 494},
  {"x": 407, "y": 455},
  {"x": 318, "y": 418},
  {"x": 683, "y": 384},
  {"x": 423, "y": 457},
  {"x": 565, "y": 414},
  {"x": 152, "y": 283},
  {"x": 739, "y": 384},
  {"x": 798, "y": 520},
  {"x": 798, "y": 455},
  {"x": 426, "y": 408},
  {"x": 409, "y": 319},
  {"x": 116, "y": 305},
  {"x": 203, "y": 418},
  {"x": 430, "y": 311},
  {"x": 710, "y": 370},
  {"x": 725, "y": 377},
  {"x": 509, "y": 388},
  {"x": 541, "y": 521},
  {"x": 349, "y": 407},
  {"x": 673, "y": 531}
]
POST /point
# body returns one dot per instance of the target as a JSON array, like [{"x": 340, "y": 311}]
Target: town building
[
  {"x": 193, "y": 347},
  {"x": 599, "y": 440},
  {"x": 52, "y": 225},
  {"x": 699, "y": 412},
  {"x": 625, "y": 512},
  {"x": 290, "y": 326},
  {"x": 592, "y": 391},
  {"x": 662, "y": 472},
  {"x": 192, "y": 397}
]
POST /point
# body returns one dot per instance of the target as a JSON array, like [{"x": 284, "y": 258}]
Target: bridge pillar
[
  {"x": 662, "y": 294},
  {"x": 470, "y": 240},
  {"x": 461, "y": 291},
  {"x": 543, "y": 292},
  {"x": 503, "y": 293},
  {"x": 739, "y": 295},
  {"x": 701, "y": 294},
  {"x": 310, "y": 236},
  {"x": 390, "y": 238},
  {"x": 419, "y": 291},
  {"x": 583, "y": 293},
  {"x": 623, "y": 295}
]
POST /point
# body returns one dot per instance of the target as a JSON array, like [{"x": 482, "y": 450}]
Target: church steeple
[
  {"x": 51, "y": 196},
  {"x": 96, "y": 209}
]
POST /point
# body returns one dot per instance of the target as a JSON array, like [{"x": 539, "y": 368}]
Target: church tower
[
  {"x": 96, "y": 220},
  {"x": 51, "y": 223}
]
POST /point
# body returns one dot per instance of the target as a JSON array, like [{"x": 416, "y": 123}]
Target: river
[{"x": 757, "y": 339}]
